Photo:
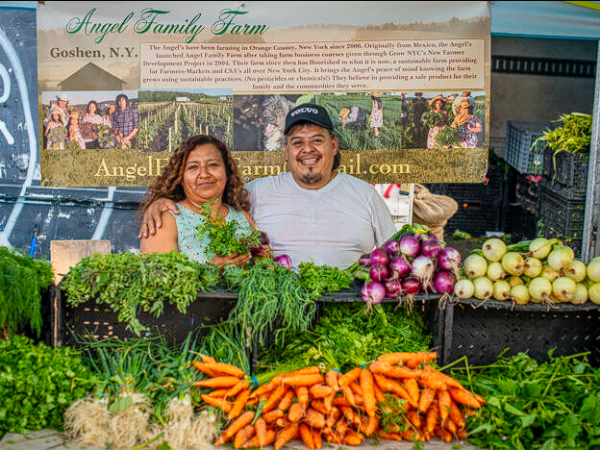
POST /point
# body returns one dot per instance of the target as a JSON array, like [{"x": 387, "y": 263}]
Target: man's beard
[{"x": 311, "y": 178}]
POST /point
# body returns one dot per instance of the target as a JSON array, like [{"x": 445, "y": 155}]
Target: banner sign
[{"x": 407, "y": 85}]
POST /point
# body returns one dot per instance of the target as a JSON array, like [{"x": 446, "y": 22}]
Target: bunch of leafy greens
[
  {"x": 129, "y": 283},
  {"x": 317, "y": 280},
  {"x": 38, "y": 383},
  {"x": 431, "y": 119},
  {"x": 531, "y": 405},
  {"x": 345, "y": 337},
  {"x": 21, "y": 281},
  {"x": 448, "y": 137},
  {"x": 575, "y": 136},
  {"x": 271, "y": 299},
  {"x": 224, "y": 238}
]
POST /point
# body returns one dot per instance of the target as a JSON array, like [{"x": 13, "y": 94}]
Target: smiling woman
[{"x": 201, "y": 176}]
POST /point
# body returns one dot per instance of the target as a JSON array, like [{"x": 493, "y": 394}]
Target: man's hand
[
  {"x": 151, "y": 219},
  {"x": 235, "y": 259}
]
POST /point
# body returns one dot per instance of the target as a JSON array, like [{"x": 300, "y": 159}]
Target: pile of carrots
[{"x": 397, "y": 397}]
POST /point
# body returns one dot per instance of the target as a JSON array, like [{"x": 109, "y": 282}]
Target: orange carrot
[
  {"x": 450, "y": 426},
  {"x": 201, "y": 367},
  {"x": 355, "y": 387},
  {"x": 353, "y": 438},
  {"x": 444, "y": 401},
  {"x": 253, "y": 442},
  {"x": 331, "y": 378},
  {"x": 311, "y": 370},
  {"x": 341, "y": 401},
  {"x": 218, "y": 393},
  {"x": 242, "y": 436},
  {"x": 320, "y": 391},
  {"x": 295, "y": 412},
  {"x": 432, "y": 381},
  {"x": 333, "y": 417},
  {"x": 286, "y": 401},
  {"x": 403, "y": 372},
  {"x": 306, "y": 436},
  {"x": 413, "y": 417},
  {"x": 421, "y": 358},
  {"x": 390, "y": 436},
  {"x": 236, "y": 426},
  {"x": 348, "y": 413},
  {"x": 480, "y": 399},
  {"x": 304, "y": 380},
  {"x": 378, "y": 394},
  {"x": 387, "y": 384},
  {"x": 314, "y": 418},
  {"x": 462, "y": 434},
  {"x": 282, "y": 422},
  {"x": 328, "y": 402},
  {"x": 349, "y": 377},
  {"x": 239, "y": 387},
  {"x": 464, "y": 398},
  {"x": 317, "y": 441},
  {"x": 467, "y": 411},
  {"x": 217, "y": 402},
  {"x": 319, "y": 405},
  {"x": 272, "y": 416},
  {"x": 456, "y": 415},
  {"x": 348, "y": 395},
  {"x": 427, "y": 396},
  {"x": 332, "y": 437},
  {"x": 451, "y": 382},
  {"x": 341, "y": 426},
  {"x": 412, "y": 387},
  {"x": 274, "y": 398},
  {"x": 445, "y": 435},
  {"x": 302, "y": 394},
  {"x": 268, "y": 387},
  {"x": 372, "y": 424},
  {"x": 366, "y": 384},
  {"x": 207, "y": 359},
  {"x": 432, "y": 418},
  {"x": 218, "y": 382},
  {"x": 239, "y": 404},
  {"x": 286, "y": 435},
  {"x": 226, "y": 369},
  {"x": 261, "y": 431}
]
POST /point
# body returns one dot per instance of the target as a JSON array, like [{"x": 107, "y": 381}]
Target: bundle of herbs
[
  {"x": 448, "y": 137},
  {"x": 534, "y": 405},
  {"x": 129, "y": 283},
  {"x": 431, "y": 119},
  {"x": 346, "y": 337},
  {"x": 574, "y": 136},
  {"x": 317, "y": 280},
  {"x": 22, "y": 280}
]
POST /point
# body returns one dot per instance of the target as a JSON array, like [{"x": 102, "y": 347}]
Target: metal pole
[{"x": 591, "y": 238}]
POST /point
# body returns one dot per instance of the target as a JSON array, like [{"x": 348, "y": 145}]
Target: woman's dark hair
[
  {"x": 92, "y": 102},
  {"x": 378, "y": 100},
  {"x": 169, "y": 183},
  {"x": 119, "y": 97}
]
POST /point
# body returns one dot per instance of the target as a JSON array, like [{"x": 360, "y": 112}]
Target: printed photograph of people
[
  {"x": 446, "y": 119},
  {"x": 170, "y": 116},
  {"x": 89, "y": 120}
]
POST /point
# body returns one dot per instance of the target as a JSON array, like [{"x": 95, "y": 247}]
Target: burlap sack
[{"x": 432, "y": 210}]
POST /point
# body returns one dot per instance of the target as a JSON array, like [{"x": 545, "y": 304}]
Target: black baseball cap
[{"x": 308, "y": 112}]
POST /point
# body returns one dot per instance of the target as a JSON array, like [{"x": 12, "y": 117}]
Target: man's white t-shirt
[{"x": 333, "y": 225}]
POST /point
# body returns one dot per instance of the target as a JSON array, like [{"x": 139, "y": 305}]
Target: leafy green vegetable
[
  {"x": 346, "y": 337},
  {"x": 130, "y": 282},
  {"x": 320, "y": 279},
  {"x": 575, "y": 136},
  {"x": 21, "y": 281},
  {"x": 535, "y": 405},
  {"x": 37, "y": 384},
  {"x": 431, "y": 119},
  {"x": 448, "y": 137}
]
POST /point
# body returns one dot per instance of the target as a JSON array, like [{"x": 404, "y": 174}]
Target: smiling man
[{"x": 312, "y": 213}]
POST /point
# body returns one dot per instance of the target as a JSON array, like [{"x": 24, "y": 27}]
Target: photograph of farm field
[{"x": 169, "y": 117}]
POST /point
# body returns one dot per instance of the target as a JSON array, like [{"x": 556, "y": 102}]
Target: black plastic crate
[
  {"x": 562, "y": 190},
  {"x": 475, "y": 217},
  {"x": 527, "y": 192},
  {"x": 562, "y": 218},
  {"x": 519, "y": 150},
  {"x": 481, "y": 333},
  {"x": 99, "y": 321},
  {"x": 567, "y": 169},
  {"x": 523, "y": 224}
]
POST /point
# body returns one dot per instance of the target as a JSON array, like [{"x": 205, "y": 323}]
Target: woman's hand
[
  {"x": 152, "y": 216},
  {"x": 235, "y": 259}
]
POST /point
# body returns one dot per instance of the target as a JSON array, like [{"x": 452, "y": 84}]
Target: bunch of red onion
[{"x": 413, "y": 264}]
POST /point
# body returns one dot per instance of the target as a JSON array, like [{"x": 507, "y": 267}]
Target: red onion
[
  {"x": 378, "y": 272},
  {"x": 365, "y": 260},
  {"x": 409, "y": 246},
  {"x": 411, "y": 286},
  {"x": 393, "y": 247},
  {"x": 283, "y": 261},
  {"x": 431, "y": 247},
  {"x": 449, "y": 259},
  {"x": 444, "y": 282},
  {"x": 373, "y": 292},
  {"x": 392, "y": 288},
  {"x": 380, "y": 256},
  {"x": 399, "y": 268}
]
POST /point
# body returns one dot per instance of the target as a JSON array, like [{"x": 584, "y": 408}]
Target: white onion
[
  {"x": 540, "y": 247},
  {"x": 475, "y": 266},
  {"x": 464, "y": 288},
  {"x": 581, "y": 296},
  {"x": 561, "y": 258},
  {"x": 540, "y": 289},
  {"x": 501, "y": 290},
  {"x": 577, "y": 271},
  {"x": 520, "y": 294},
  {"x": 549, "y": 273},
  {"x": 594, "y": 293},
  {"x": 493, "y": 249},
  {"x": 564, "y": 289},
  {"x": 495, "y": 271},
  {"x": 593, "y": 270},
  {"x": 513, "y": 263},
  {"x": 515, "y": 281},
  {"x": 484, "y": 288},
  {"x": 533, "y": 267}
]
